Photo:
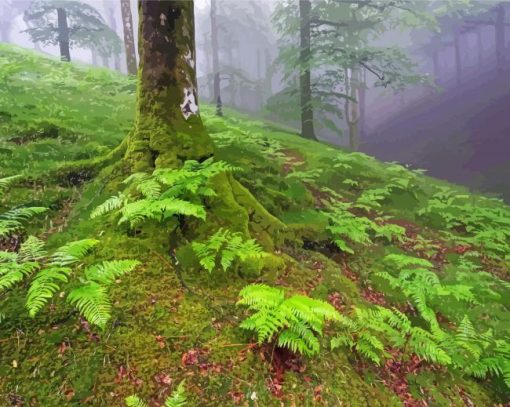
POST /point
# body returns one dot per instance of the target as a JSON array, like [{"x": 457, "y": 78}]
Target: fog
[{"x": 442, "y": 106}]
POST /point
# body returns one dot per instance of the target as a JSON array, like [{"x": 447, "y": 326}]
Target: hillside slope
[
  {"x": 461, "y": 135},
  {"x": 346, "y": 230}
]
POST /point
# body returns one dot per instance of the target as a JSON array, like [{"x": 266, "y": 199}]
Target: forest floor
[{"x": 56, "y": 122}]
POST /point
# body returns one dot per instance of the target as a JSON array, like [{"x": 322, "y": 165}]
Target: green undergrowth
[{"x": 326, "y": 218}]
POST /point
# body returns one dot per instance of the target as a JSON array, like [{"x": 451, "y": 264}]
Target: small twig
[{"x": 175, "y": 269}]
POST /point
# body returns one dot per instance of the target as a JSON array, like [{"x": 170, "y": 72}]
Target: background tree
[
  {"x": 337, "y": 55},
  {"x": 10, "y": 10},
  {"x": 70, "y": 23},
  {"x": 129, "y": 38}
]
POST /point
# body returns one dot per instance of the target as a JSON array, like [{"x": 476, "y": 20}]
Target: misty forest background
[{"x": 431, "y": 93}]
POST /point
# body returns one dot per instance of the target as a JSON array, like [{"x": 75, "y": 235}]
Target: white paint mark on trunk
[
  {"x": 189, "y": 105},
  {"x": 162, "y": 19}
]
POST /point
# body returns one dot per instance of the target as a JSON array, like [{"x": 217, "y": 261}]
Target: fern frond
[
  {"x": 72, "y": 252},
  {"x": 31, "y": 249},
  {"x": 178, "y": 397},
  {"x": 135, "y": 401},
  {"x": 92, "y": 301},
  {"x": 108, "y": 271},
  {"x": 44, "y": 286},
  {"x": 110, "y": 205}
]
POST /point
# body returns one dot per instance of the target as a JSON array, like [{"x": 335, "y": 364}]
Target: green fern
[
  {"x": 91, "y": 298},
  {"x": 135, "y": 401},
  {"x": 72, "y": 252},
  {"x": 176, "y": 399},
  {"x": 165, "y": 193},
  {"x": 44, "y": 286},
  {"x": 226, "y": 247},
  {"x": 294, "y": 323}
]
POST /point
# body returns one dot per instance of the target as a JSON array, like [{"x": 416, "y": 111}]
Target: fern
[
  {"x": 176, "y": 399},
  {"x": 110, "y": 205},
  {"x": 91, "y": 298},
  {"x": 13, "y": 219},
  {"x": 135, "y": 401},
  {"x": 294, "y": 323},
  {"x": 226, "y": 247},
  {"x": 165, "y": 193},
  {"x": 107, "y": 272},
  {"x": 44, "y": 286},
  {"x": 72, "y": 252}
]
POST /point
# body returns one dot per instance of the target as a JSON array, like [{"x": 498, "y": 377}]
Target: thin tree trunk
[
  {"x": 500, "y": 37},
  {"x": 479, "y": 46},
  {"x": 259, "y": 90},
  {"x": 63, "y": 35},
  {"x": 215, "y": 60},
  {"x": 5, "y": 31},
  {"x": 168, "y": 127},
  {"x": 458, "y": 60},
  {"x": 232, "y": 81},
  {"x": 129, "y": 41},
  {"x": 435, "y": 65},
  {"x": 269, "y": 75},
  {"x": 113, "y": 26},
  {"x": 351, "y": 108},
  {"x": 362, "y": 105},
  {"x": 95, "y": 58},
  {"x": 209, "y": 69},
  {"x": 307, "y": 129}
]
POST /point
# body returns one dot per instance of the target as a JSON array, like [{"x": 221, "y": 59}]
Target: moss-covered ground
[{"x": 62, "y": 116}]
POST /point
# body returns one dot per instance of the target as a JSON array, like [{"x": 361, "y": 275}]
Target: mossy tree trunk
[{"x": 168, "y": 128}]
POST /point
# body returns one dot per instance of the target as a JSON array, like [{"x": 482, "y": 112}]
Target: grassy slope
[{"x": 59, "y": 113}]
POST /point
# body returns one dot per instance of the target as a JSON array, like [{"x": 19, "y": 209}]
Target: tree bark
[
  {"x": 500, "y": 37},
  {"x": 307, "y": 129},
  {"x": 168, "y": 128},
  {"x": 63, "y": 35},
  {"x": 129, "y": 41},
  {"x": 215, "y": 60}
]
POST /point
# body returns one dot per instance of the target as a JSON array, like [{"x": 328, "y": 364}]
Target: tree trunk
[
  {"x": 63, "y": 35},
  {"x": 435, "y": 65},
  {"x": 305, "y": 93},
  {"x": 215, "y": 60},
  {"x": 479, "y": 46},
  {"x": 209, "y": 70},
  {"x": 168, "y": 128},
  {"x": 95, "y": 58},
  {"x": 458, "y": 60},
  {"x": 351, "y": 108},
  {"x": 500, "y": 37},
  {"x": 129, "y": 41},
  {"x": 258, "y": 86},
  {"x": 232, "y": 80},
  {"x": 269, "y": 76},
  {"x": 113, "y": 26},
  {"x": 5, "y": 31},
  {"x": 362, "y": 105}
]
